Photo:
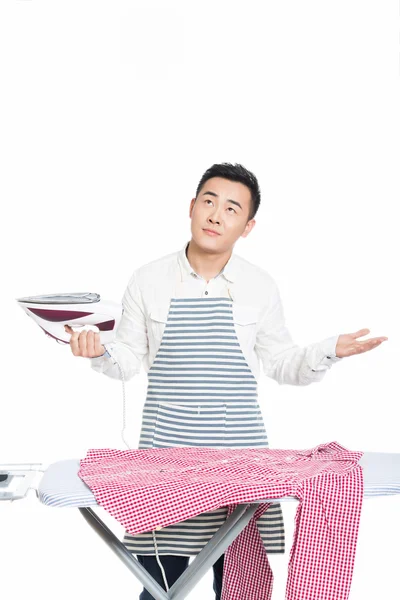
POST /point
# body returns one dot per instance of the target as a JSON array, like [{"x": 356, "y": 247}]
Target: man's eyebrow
[{"x": 228, "y": 199}]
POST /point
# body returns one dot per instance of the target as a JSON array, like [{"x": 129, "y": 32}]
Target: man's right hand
[{"x": 85, "y": 343}]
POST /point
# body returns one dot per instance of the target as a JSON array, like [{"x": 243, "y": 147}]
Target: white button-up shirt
[{"x": 257, "y": 315}]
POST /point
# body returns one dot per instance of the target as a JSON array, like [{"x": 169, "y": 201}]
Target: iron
[{"x": 52, "y": 311}]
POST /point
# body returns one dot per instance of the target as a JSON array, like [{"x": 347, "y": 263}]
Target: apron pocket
[
  {"x": 245, "y": 427},
  {"x": 190, "y": 425}
]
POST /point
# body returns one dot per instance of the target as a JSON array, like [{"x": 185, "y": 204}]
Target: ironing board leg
[
  {"x": 202, "y": 562},
  {"x": 120, "y": 550},
  {"x": 211, "y": 552}
]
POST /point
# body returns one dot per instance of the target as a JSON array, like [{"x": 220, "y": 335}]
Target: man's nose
[{"x": 215, "y": 217}]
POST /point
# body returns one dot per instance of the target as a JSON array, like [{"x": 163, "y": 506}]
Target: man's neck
[{"x": 206, "y": 264}]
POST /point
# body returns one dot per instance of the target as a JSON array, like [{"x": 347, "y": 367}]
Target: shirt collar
[{"x": 187, "y": 271}]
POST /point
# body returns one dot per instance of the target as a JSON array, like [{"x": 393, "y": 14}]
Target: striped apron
[{"x": 201, "y": 392}]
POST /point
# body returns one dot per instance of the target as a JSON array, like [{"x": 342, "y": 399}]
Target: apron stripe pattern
[{"x": 201, "y": 392}]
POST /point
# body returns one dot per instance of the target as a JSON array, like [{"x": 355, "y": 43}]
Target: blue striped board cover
[{"x": 61, "y": 486}]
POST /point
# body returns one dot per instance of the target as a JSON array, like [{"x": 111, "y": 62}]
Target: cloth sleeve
[{"x": 281, "y": 358}]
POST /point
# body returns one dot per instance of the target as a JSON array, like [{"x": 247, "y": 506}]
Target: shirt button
[{"x": 206, "y": 293}]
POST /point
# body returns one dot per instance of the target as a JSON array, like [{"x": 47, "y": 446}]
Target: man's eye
[{"x": 208, "y": 200}]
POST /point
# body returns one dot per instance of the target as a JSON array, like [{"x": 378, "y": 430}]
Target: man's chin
[{"x": 207, "y": 242}]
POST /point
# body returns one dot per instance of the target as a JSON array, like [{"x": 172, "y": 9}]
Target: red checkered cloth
[{"x": 156, "y": 487}]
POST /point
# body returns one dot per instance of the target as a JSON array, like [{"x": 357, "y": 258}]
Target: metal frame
[{"x": 202, "y": 562}]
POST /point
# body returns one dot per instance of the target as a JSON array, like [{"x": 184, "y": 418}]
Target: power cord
[
  {"x": 123, "y": 397},
  {"x": 126, "y": 444}
]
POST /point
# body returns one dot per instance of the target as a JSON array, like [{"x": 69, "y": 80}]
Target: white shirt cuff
[{"x": 325, "y": 356}]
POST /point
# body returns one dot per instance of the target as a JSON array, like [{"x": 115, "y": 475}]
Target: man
[{"x": 201, "y": 320}]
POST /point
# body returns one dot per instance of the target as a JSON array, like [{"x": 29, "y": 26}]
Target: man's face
[{"x": 222, "y": 206}]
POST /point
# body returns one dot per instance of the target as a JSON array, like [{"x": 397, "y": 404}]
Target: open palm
[{"x": 348, "y": 344}]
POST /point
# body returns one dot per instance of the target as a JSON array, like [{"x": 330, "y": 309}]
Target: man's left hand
[{"x": 348, "y": 343}]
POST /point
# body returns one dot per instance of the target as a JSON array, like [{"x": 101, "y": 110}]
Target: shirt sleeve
[
  {"x": 281, "y": 358},
  {"x": 130, "y": 345}
]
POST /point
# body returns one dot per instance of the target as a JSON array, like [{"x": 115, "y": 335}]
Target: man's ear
[
  {"x": 248, "y": 228},
  {"x": 193, "y": 200}
]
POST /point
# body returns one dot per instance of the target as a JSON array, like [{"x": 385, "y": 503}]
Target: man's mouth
[{"x": 211, "y": 232}]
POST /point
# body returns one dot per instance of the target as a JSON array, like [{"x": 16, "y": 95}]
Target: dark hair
[{"x": 235, "y": 172}]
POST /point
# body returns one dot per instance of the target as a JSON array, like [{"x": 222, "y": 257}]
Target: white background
[{"x": 110, "y": 113}]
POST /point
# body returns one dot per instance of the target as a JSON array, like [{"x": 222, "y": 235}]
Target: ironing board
[{"x": 60, "y": 486}]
